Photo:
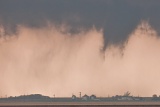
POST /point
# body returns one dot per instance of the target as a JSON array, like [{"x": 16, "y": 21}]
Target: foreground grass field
[{"x": 79, "y": 103}]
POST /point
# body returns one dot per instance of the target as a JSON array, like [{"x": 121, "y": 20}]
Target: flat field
[{"x": 79, "y": 104}]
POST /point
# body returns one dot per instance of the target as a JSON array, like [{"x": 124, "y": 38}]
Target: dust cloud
[{"x": 51, "y": 61}]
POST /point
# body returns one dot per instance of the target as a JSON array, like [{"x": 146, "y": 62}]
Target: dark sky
[{"x": 118, "y": 18}]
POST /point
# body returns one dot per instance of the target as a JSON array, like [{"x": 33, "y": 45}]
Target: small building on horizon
[
  {"x": 85, "y": 97},
  {"x": 93, "y": 97},
  {"x": 74, "y": 97}
]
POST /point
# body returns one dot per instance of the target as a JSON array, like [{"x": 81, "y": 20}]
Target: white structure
[
  {"x": 93, "y": 97},
  {"x": 74, "y": 97},
  {"x": 85, "y": 97}
]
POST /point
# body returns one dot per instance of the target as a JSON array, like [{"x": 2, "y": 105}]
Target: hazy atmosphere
[{"x": 63, "y": 47}]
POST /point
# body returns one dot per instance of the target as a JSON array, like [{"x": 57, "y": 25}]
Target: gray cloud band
[{"x": 117, "y": 18}]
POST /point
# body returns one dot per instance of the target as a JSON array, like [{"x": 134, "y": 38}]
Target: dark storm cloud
[{"x": 118, "y": 18}]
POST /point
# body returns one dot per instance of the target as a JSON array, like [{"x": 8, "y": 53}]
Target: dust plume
[{"x": 50, "y": 61}]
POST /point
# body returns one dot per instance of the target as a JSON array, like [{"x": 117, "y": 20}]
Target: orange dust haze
[{"x": 51, "y": 61}]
